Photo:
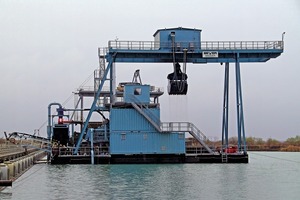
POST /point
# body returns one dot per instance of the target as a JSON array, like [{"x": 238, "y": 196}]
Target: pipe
[
  {"x": 92, "y": 146},
  {"x": 49, "y": 124},
  {"x": 49, "y": 117}
]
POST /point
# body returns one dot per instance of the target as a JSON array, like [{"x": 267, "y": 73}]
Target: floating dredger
[{"x": 128, "y": 128}]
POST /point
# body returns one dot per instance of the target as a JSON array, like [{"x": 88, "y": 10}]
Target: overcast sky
[{"x": 49, "y": 48}]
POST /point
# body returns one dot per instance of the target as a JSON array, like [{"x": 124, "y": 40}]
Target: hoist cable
[{"x": 183, "y": 77}]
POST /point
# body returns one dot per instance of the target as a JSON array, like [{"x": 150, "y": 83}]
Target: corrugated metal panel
[
  {"x": 146, "y": 143},
  {"x": 128, "y": 119}
]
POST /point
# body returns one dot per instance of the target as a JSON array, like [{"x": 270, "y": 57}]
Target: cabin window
[{"x": 137, "y": 91}]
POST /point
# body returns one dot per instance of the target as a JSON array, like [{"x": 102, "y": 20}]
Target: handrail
[
  {"x": 182, "y": 127},
  {"x": 83, "y": 151},
  {"x": 170, "y": 126},
  {"x": 204, "y": 45},
  {"x": 186, "y": 127},
  {"x": 152, "y": 118},
  {"x": 142, "y": 107},
  {"x": 102, "y": 52},
  {"x": 91, "y": 88}
]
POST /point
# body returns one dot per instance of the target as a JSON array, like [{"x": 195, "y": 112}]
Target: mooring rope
[{"x": 284, "y": 159}]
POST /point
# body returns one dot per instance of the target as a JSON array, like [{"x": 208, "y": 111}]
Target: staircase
[
  {"x": 186, "y": 127},
  {"x": 170, "y": 126},
  {"x": 145, "y": 112}
]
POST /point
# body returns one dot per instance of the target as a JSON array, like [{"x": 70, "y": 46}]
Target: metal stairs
[
  {"x": 186, "y": 127},
  {"x": 170, "y": 126},
  {"x": 145, "y": 112}
]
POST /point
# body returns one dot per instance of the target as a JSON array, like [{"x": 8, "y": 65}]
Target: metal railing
[
  {"x": 107, "y": 89},
  {"x": 91, "y": 88},
  {"x": 195, "y": 150},
  {"x": 186, "y": 127},
  {"x": 204, "y": 45},
  {"x": 241, "y": 45},
  {"x": 84, "y": 151},
  {"x": 146, "y": 112},
  {"x": 102, "y": 52},
  {"x": 182, "y": 127}
]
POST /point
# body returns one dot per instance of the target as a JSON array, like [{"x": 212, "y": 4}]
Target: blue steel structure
[{"x": 134, "y": 125}]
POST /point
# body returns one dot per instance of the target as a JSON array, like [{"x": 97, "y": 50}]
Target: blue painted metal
[
  {"x": 144, "y": 51},
  {"x": 141, "y": 93},
  {"x": 240, "y": 112},
  {"x": 225, "y": 107},
  {"x": 128, "y": 119},
  {"x": 90, "y": 136},
  {"x": 93, "y": 107},
  {"x": 126, "y": 142},
  {"x": 184, "y": 38},
  {"x": 49, "y": 127},
  {"x": 130, "y": 125},
  {"x": 92, "y": 145},
  {"x": 239, "y": 106}
]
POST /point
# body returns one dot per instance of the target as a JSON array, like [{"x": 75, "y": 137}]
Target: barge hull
[{"x": 151, "y": 159}]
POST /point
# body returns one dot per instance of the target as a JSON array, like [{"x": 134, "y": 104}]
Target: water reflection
[{"x": 262, "y": 178}]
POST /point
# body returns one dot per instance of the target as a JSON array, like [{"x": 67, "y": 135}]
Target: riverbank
[{"x": 11, "y": 170}]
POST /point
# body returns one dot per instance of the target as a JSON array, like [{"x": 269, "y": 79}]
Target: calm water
[{"x": 269, "y": 175}]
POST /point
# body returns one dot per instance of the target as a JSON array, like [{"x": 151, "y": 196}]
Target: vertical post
[
  {"x": 105, "y": 131},
  {"x": 81, "y": 111},
  {"x": 237, "y": 65},
  {"x": 112, "y": 84},
  {"x": 239, "y": 103},
  {"x": 92, "y": 145},
  {"x": 225, "y": 107}
]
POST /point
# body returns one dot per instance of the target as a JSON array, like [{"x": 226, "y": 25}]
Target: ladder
[{"x": 224, "y": 156}]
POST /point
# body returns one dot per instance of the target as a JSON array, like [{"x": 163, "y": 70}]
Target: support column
[
  {"x": 239, "y": 104},
  {"x": 92, "y": 146},
  {"x": 112, "y": 84},
  {"x": 81, "y": 111},
  {"x": 225, "y": 108},
  {"x": 93, "y": 107}
]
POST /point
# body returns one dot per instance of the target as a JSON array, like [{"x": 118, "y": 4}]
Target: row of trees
[{"x": 254, "y": 143}]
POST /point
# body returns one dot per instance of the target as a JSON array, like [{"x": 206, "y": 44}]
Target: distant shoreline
[{"x": 289, "y": 148}]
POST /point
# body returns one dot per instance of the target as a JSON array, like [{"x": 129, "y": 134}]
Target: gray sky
[{"x": 48, "y": 48}]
